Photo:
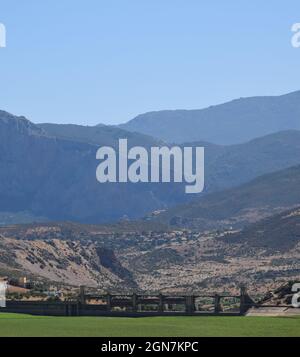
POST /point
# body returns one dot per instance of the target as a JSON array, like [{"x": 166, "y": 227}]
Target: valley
[
  {"x": 169, "y": 261},
  {"x": 59, "y": 225}
]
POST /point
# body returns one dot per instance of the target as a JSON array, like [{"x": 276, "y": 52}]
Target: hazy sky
[{"x": 96, "y": 61}]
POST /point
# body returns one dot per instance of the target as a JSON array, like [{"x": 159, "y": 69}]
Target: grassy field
[{"x": 28, "y": 326}]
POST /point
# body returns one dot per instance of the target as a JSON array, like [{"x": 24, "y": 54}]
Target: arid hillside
[
  {"x": 262, "y": 256},
  {"x": 66, "y": 261}
]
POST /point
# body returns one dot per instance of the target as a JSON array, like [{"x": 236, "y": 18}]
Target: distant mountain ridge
[
  {"x": 238, "y": 207},
  {"x": 231, "y": 166},
  {"x": 97, "y": 135},
  {"x": 225, "y": 166},
  {"x": 230, "y": 123}
]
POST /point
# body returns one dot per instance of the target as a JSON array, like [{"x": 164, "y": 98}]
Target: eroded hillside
[{"x": 261, "y": 256}]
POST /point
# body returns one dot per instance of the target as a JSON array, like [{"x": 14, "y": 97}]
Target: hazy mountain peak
[
  {"x": 233, "y": 122},
  {"x": 18, "y": 124}
]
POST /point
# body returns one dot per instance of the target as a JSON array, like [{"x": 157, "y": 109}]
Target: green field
[{"x": 28, "y": 326}]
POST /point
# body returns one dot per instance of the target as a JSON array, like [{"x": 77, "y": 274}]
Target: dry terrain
[{"x": 262, "y": 256}]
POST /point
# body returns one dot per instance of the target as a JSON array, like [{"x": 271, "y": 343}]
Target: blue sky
[{"x": 95, "y": 61}]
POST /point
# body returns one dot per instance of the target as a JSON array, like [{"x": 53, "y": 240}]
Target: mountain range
[{"x": 48, "y": 171}]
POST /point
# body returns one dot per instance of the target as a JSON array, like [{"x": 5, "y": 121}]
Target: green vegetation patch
[{"x": 15, "y": 325}]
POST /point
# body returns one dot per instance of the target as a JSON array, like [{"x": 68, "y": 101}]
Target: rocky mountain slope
[
  {"x": 55, "y": 178},
  {"x": 69, "y": 262}
]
